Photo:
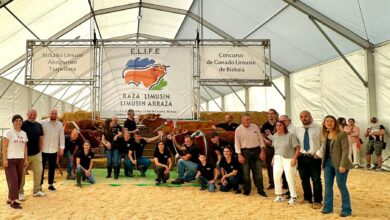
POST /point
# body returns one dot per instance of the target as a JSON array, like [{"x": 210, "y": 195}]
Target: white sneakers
[
  {"x": 292, "y": 201},
  {"x": 39, "y": 194},
  {"x": 21, "y": 197},
  {"x": 279, "y": 199}
]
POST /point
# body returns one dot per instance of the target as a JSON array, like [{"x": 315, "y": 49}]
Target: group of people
[
  {"x": 33, "y": 144},
  {"x": 309, "y": 148}
]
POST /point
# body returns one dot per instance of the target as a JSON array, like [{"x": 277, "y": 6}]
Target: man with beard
[
  {"x": 53, "y": 142},
  {"x": 309, "y": 161}
]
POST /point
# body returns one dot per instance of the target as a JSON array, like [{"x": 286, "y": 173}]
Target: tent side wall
[
  {"x": 18, "y": 98},
  {"x": 333, "y": 88}
]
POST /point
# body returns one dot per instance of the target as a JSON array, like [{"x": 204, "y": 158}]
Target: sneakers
[
  {"x": 178, "y": 181},
  {"x": 356, "y": 166},
  {"x": 278, "y": 199},
  {"x": 378, "y": 169},
  {"x": 39, "y": 194},
  {"x": 292, "y": 201},
  {"x": 51, "y": 188},
  {"x": 143, "y": 173},
  {"x": 158, "y": 181},
  {"x": 21, "y": 197}
]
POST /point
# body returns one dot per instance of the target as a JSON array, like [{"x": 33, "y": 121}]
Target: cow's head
[{"x": 159, "y": 70}]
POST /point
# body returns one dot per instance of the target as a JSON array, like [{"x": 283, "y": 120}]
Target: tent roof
[{"x": 296, "y": 43}]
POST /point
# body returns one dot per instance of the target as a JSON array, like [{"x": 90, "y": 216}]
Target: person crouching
[
  {"x": 85, "y": 164},
  {"x": 207, "y": 174},
  {"x": 229, "y": 169}
]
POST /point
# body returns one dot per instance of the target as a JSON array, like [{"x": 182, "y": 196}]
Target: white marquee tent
[{"x": 328, "y": 57}]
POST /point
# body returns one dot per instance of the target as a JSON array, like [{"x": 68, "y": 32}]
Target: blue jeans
[
  {"x": 112, "y": 157},
  {"x": 341, "y": 178},
  {"x": 90, "y": 178},
  {"x": 232, "y": 183},
  {"x": 205, "y": 184},
  {"x": 69, "y": 163},
  {"x": 142, "y": 161},
  {"x": 187, "y": 169},
  {"x": 127, "y": 164}
]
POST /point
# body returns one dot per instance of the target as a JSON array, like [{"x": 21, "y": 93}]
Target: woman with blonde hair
[{"x": 335, "y": 162}]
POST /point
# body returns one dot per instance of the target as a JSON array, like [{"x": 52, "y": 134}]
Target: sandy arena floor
[{"x": 129, "y": 198}]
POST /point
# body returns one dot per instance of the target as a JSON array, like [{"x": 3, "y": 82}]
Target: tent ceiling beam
[
  {"x": 277, "y": 89},
  {"x": 182, "y": 23},
  {"x": 3, "y": 3},
  {"x": 74, "y": 93},
  {"x": 216, "y": 90},
  {"x": 58, "y": 90},
  {"x": 312, "y": 13},
  {"x": 21, "y": 22},
  {"x": 133, "y": 6},
  {"x": 340, "y": 53},
  {"x": 265, "y": 22},
  {"x": 81, "y": 99},
  {"x": 239, "y": 98}
]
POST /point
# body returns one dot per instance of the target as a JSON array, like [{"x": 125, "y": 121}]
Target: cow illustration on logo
[{"x": 145, "y": 71}]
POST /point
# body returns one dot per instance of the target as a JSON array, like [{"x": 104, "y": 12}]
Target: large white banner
[
  {"x": 231, "y": 62},
  {"x": 148, "y": 80},
  {"x": 62, "y": 63}
]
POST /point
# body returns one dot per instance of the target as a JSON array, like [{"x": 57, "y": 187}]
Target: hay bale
[
  {"x": 76, "y": 116},
  {"x": 257, "y": 117}
]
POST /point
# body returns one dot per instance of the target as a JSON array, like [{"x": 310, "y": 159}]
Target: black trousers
[
  {"x": 52, "y": 159},
  {"x": 160, "y": 173},
  {"x": 252, "y": 162},
  {"x": 270, "y": 151},
  {"x": 310, "y": 168}
]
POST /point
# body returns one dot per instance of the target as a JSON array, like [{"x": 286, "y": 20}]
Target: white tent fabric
[
  {"x": 332, "y": 88},
  {"x": 17, "y": 99},
  {"x": 321, "y": 82},
  {"x": 382, "y": 61}
]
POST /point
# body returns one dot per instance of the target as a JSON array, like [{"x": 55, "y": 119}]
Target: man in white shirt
[
  {"x": 53, "y": 142},
  {"x": 309, "y": 161},
  {"x": 250, "y": 147}
]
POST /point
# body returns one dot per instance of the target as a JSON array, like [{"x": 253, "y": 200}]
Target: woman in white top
[
  {"x": 285, "y": 159},
  {"x": 14, "y": 159}
]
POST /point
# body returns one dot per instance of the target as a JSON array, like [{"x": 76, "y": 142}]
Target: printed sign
[
  {"x": 232, "y": 63},
  {"x": 62, "y": 63},
  {"x": 148, "y": 80}
]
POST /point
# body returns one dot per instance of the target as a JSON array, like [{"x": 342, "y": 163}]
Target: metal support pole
[
  {"x": 371, "y": 89},
  {"x": 246, "y": 99},
  {"x": 339, "y": 52},
  {"x": 287, "y": 95},
  {"x": 223, "y": 106}
]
